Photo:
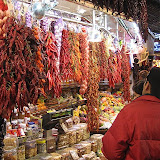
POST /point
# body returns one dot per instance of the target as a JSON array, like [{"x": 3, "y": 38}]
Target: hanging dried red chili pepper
[
  {"x": 53, "y": 73},
  {"x": 125, "y": 74},
  {"x": 65, "y": 58},
  {"x": 93, "y": 92},
  {"x": 75, "y": 56},
  {"x": 84, "y": 49},
  {"x": 19, "y": 76}
]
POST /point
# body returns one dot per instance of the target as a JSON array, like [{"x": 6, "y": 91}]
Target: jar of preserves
[
  {"x": 41, "y": 146},
  {"x": 10, "y": 153},
  {"x": 30, "y": 149},
  {"x": 51, "y": 144}
]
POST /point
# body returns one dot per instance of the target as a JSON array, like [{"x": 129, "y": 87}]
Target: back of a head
[
  {"x": 154, "y": 80},
  {"x": 138, "y": 87},
  {"x": 143, "y": 74}
]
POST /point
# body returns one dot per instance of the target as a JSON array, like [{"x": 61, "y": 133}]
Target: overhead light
[{"x": 80, "y": 10}]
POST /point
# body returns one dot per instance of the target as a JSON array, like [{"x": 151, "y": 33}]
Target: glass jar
[
  {"x": 51, "y": 144},
  {"x": 30, "y": 149},
  {"x": 21, "y": 149},
  {"x": 41, "y": 146},
  {"x": 10, "y": 154}
]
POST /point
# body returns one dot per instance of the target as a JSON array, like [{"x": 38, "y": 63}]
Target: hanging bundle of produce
[
  {"x": 112, "y": 70},
  {"x": 53, "y": 69},
  {"x": 93, "y": 92},
  {"x": 19, "y": 74},
  {"x": 119, "y": 66},
  {"x": 65, "y": 58},
  {"x": 84, "y": 49},
  {"x": 3, "y": 6},
  {"x": 75, "y": 56},
  {"x": 125, "y": 74},
  {"x": 103, "y": 60}
]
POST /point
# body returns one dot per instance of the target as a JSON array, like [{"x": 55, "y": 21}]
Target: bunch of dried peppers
[
  {"x": 93, "y": 92},
  {"x": 125, "y": 74},
  {"x": 19, "y": 74}
]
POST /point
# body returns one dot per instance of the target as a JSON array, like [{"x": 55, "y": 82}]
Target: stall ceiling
[{"x": 111, "y": 21}]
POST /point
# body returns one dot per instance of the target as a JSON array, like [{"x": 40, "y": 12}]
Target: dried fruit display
[
  {"x": 19, "y": 74},
  {"x": 93, "y": 86}
]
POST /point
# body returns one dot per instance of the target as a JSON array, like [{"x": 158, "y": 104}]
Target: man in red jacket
[{"x": 135, "y": 134}]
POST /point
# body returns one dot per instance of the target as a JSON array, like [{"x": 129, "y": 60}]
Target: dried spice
[
  {"x": 93, "y": 86},
  {"x": 65, "y": 58},
  {"x": 75, "y": 56},
  {"x": 53, "y": 69},
  {"x": 125, "y": 74},
  {"x": 19, "y": 76},
  {"x": 84, "y": 49}
]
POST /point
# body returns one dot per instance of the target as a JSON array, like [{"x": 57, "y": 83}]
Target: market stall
[{"x": 62, "y": 77}]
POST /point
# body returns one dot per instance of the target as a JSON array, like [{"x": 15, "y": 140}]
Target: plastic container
[
  {"x": 41, "y": 146},
  {"x": 90, "y": 156},
  {"x": 98, "y": 138},
  {"x": 72, "y": 136},
  {"x": 10, "y": 154},
  {"x": 86, "y": 133},
  {"x": 94, "y": 146},
  {"x": 69, "y": 122},
  {"x": 51, "y": 144},
  {"x": 87, "y": 146},
  {"x": 79, "y": 133},
  {"x": 65, "y": 155},
  {"x": 30, "y": 149},
  {"x": 56, "y": 156},
  {"x": 21, "y": 149},
  {"x": 11, "y": 141},
  {"x": 80, "y": 149},
  {"x": 63, "y": 141}
]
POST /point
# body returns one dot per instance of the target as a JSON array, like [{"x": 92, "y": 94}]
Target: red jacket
[{"x": 135, "y": 134}]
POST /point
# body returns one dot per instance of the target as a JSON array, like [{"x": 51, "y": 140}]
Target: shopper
[
  {"x": 135, "y": 134},
  {"x": 137, "y": 89},
  {"x": 143, "y": 74}
]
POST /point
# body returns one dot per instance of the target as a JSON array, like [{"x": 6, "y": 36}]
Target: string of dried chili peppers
[
  {"x": 19, "y": 74},
  {"x": 93, "y": 92},
  {"x": 53, "y": 71},
  {"x": 84, "y": 49},
  {"x": 75, "y": 56},
  {"x": 104, "y": 60},
  {"x": 65, "y": 58},
  {"x": 125, "y": 74}
]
